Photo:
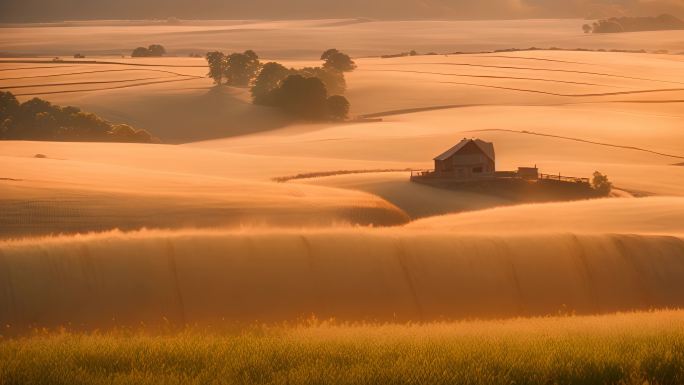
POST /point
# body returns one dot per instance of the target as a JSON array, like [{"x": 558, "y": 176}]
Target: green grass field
[{"x": 632, "y": 348}]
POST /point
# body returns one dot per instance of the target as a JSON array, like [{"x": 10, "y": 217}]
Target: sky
[{"x": 56, "y": 10}]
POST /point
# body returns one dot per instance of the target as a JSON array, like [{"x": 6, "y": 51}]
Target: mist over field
[{"x": 204, "y": 278}]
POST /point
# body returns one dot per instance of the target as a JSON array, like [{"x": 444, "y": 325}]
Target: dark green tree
[
  {"x": 339, "y": 61},
  {"x": 269, "y": 79},
  {"x": 241, "y": 68},
  {"x": 140, "y": 52},
  {"x": 338, "y": 107},
  {"x": 601, "y": 184},
  {"x": 304, "y": 98},
  {"x": 38, "y": 119},
  {"x": 156, "y": 50},
  {"x": 334, "y": 80},
  {"x": 217, "y": 66},
  {"x": 328, "y": 53},
  {"x": 9, "y": 105}
]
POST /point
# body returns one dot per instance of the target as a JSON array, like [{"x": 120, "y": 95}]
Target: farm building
[{"x": 469, "y": 158}]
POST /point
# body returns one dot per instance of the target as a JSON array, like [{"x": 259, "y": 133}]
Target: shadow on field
[{"x": 187, "y": 115}]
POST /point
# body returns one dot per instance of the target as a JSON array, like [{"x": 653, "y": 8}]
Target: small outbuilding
[{"x": 467, "y": 159}]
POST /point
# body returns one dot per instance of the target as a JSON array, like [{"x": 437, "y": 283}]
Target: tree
[
  {"x": 9, "y": 105},
  {"x": 338, "y": 107},
  {"x": 29, "y": 109},
  {"x": 38, "y": 119},
  {"x": 241, "y": 68},
  {"x": 333, "y": 80},
  {"x": 302, "y": 97},
  {"x": 329, "y": 53},
  {"x": 587, "y": 28},
  {"x": 156, "y": 50},
  {"x": 269, "y": 79},
  {"x": 124, "y": 133},
  {"x": 608, "y": 26},
  {"x": 601, "y": 184},
  {"x": 217, "y": 66},
  {"x": 339, "y": 61},
  {"x": 140, "y": 52}
]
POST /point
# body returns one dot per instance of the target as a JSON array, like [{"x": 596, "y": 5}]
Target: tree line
[
  {"x": 38, "y": 119},
  {"x": 311, "y": 93},
  {"x": 634, "y": 24},
  {"x": 154, "y": 50}
]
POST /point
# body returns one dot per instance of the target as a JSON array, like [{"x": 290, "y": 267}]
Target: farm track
[
  {"x": 89, "y": 62},
  {"x": 547, "y": 70},
  {"x": 105, "y": 89},
  {"x": 647, "y": 101},
  {"x": 568, "y": 95},
  {"x": 533, "y": 58},
  {"x": 95, "y": 72},
  {"x": 80, "y": 83},
  {"x": 500, "y": 77},
  {"x": 32, "y": 68}
]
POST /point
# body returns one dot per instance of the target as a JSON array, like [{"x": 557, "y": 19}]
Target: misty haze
[{"x": 359, "y": 192}]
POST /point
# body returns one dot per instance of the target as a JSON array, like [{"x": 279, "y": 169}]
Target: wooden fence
[
  {"x": 561, "y": 178},
  {"x": 430, "y": 174}
]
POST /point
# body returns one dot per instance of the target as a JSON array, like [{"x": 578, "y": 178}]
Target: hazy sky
[{"x": 43, "y": 10}]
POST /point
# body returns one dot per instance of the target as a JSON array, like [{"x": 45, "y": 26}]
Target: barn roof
[{"x": 486, "y": 147}]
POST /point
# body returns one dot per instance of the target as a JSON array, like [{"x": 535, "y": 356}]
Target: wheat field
[{"x": 626, "y": 348}]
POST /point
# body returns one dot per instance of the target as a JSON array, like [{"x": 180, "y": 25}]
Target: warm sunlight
[{"x": 360, "y": 192}]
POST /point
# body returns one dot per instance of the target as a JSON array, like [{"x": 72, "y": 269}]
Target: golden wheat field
[
  {"x": 634, "y": 348},
  {"x": 211, "y": 256}
]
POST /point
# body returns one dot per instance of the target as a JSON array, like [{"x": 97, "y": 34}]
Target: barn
[{"x": 467, "y": 159}]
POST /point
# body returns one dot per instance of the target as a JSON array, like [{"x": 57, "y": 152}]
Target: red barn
[{"x": 471, "y": 157}]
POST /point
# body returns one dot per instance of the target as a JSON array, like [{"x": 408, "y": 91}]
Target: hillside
[{"x": 201, "y": 230}]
